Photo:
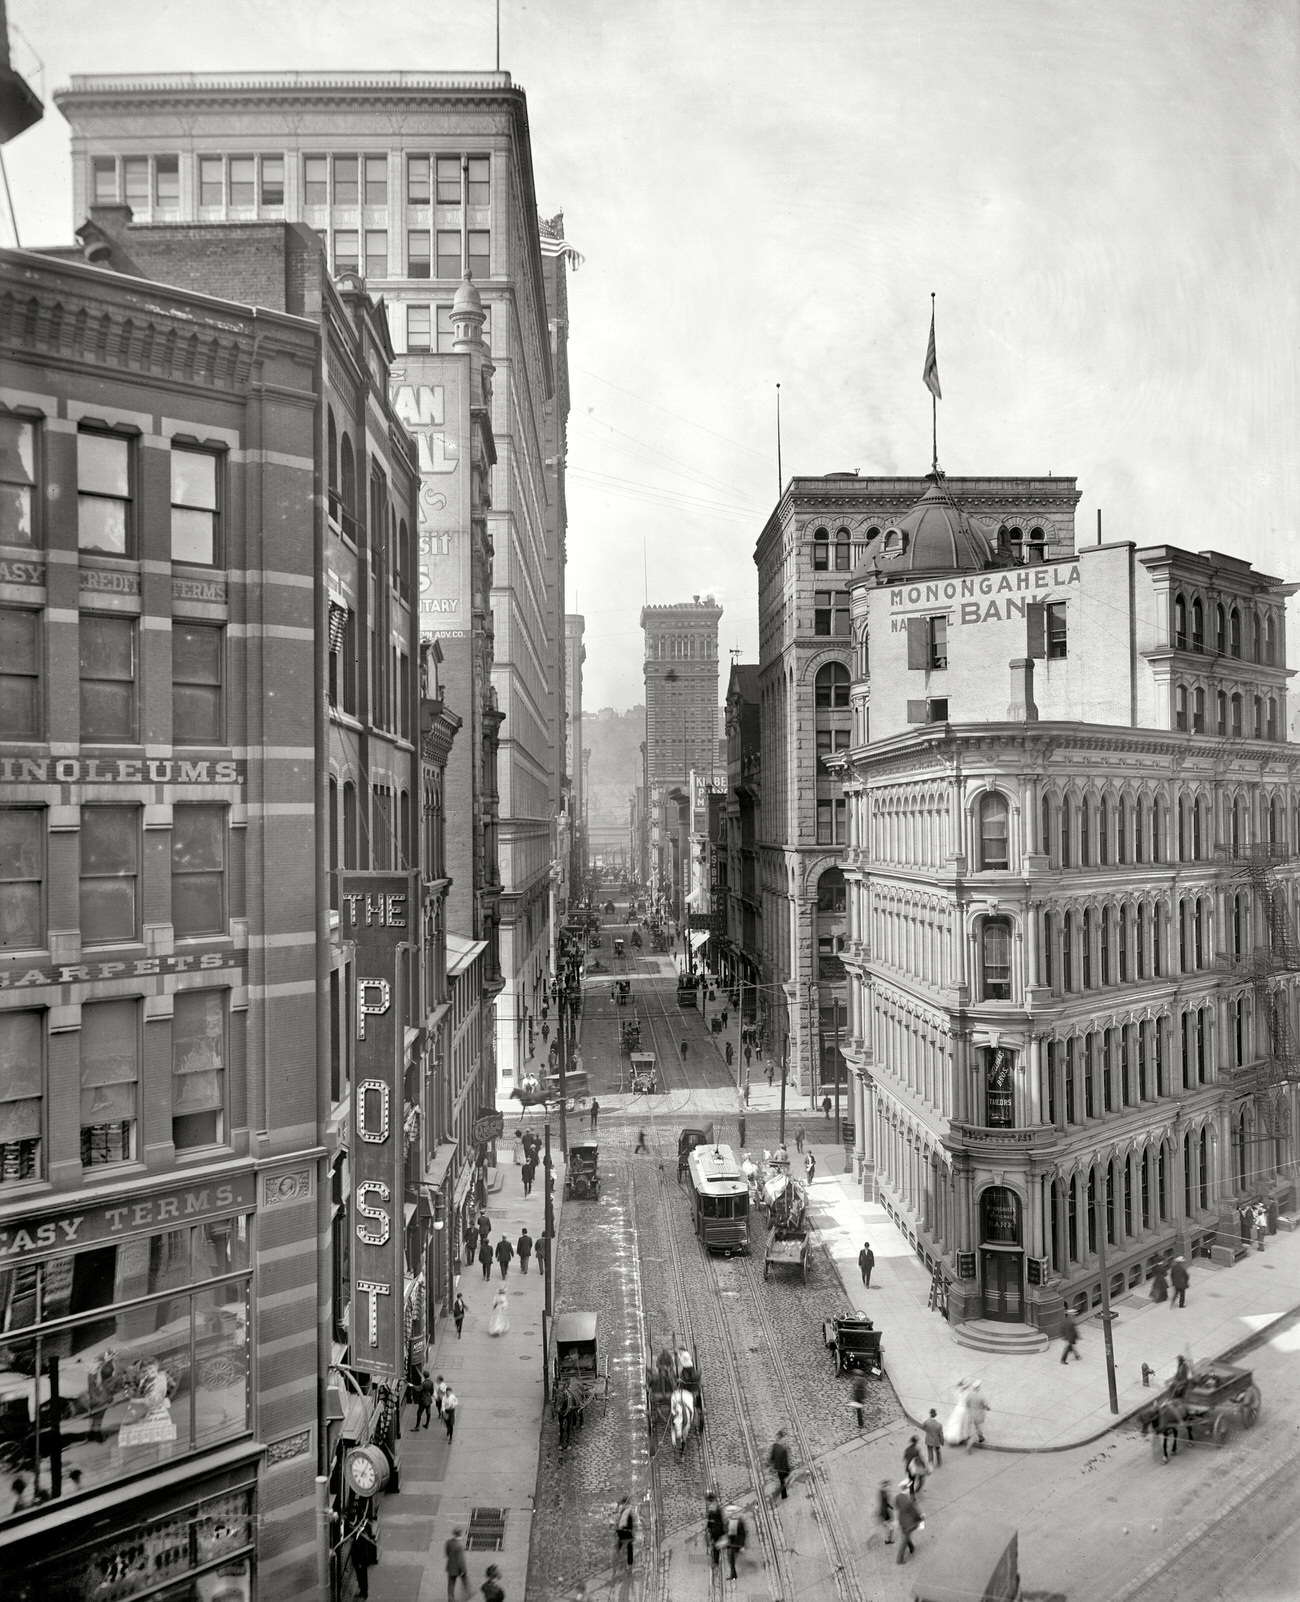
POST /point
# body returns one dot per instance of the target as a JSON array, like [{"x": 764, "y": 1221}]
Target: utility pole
[
  {"x": 839, "y": 1127},
  {"x": 561, "y": 1037},
  {"x": 548, "y": 1258},
  {"x": 785, "y": 1074},
  {"x": 1106, "y": 1314}
]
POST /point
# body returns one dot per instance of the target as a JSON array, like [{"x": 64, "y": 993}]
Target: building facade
[
  {"x": 681, "y": 695},
  {"x": 1074, "y": 819},
  {"x": 818, "y": 533},
  {"x": 575, "y": 758},
  {"x": 740, "y": 945},
  {"x": 412, "y": 211}
]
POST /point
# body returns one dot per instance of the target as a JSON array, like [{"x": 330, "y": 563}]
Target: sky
[{"x": 1102, "y": 194}]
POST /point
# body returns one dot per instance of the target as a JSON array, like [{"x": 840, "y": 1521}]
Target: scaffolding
[{"x": 1268, "y": 968}]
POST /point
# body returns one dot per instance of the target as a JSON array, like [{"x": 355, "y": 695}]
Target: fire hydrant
[{"x": 1147, "y": 1372}]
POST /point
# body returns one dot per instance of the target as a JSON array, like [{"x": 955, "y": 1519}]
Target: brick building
[{"x": 1074, "y": 820}]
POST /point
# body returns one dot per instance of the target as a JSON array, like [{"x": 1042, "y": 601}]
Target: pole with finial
[
  {"x": 930, "y": 378},
  {"x": 498, "y": 35},
  {"x": 780, "y": 482}
]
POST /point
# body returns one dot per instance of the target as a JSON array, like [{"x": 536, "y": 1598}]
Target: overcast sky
[{"x": 1103, "y": 194}]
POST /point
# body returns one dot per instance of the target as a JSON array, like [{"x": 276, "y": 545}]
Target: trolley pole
[
  {"x": 548, "y": 1258},
  {"x": 1106, "y": 1314},
  {"x": 785, "y": 1074}
]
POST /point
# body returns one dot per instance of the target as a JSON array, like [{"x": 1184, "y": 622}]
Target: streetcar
[{"x": 719, "y": 1194}]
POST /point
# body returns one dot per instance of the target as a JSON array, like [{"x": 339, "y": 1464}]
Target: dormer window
[{"x": 894, "y": 543}]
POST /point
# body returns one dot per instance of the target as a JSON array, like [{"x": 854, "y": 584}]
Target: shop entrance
[{"x": 1003, "y": 1298}]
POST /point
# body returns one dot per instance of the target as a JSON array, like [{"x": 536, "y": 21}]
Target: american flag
[{"x": 930, "y": 375}]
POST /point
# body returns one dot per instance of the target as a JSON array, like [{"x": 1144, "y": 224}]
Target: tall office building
[
  {"x": 1071, "y": 863},
  {"x": 681, "y": 714},
  {"x": 411, "y": 179},
  {"x": 574, "y": 765}
]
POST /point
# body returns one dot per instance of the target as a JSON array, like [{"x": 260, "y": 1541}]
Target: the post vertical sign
[{"x": 377, "y": 917}]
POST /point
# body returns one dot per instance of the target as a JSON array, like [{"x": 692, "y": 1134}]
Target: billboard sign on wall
[
  {"x": 430, "y": 394},
  {"x": 378, "y": 914}
]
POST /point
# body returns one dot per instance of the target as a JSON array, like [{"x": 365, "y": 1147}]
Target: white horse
[{"x": 681, "y": 1415}]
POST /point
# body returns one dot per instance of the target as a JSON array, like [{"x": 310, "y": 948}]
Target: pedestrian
[
  {"x": 505, "y": 1255},
  {"x": 740, "y": 1124},
  {"x": 499, "y": 1319},
  {"x": 440, "y": 1394},
  {"x": 685, "y": 1049},
  {"x": 1159, "y": 1284},
  {"x": 1179, "y": 1279},
  {"x": 749, "y": 1055},
  {"x": 524, "y": 1246},
  {"x": 484, "y": 1225},
  {"x": 491, "y": 1587},
  {"x": 957, "y": 1431},
  {"x": 485, "y": 1258},
  {"x": 640, "y": 1144},
  {"x": 731, "y": 1055},
  {"x": 715, "y": 1527},
  {"x": 1181, "y": 1380},
  {"x": 546, "y": 1031},
  {"x": 450, "y": 1402},
  {"x": 458, "y": 1311},
  {"x": 860, "y": 1400},
  {"x": 424, "y": 1402},
  {"x": 595, "y": 1112},
  {"x": 456, "y": 1569},
  {"x": 826, "y": 1107},
  {"x": 914, "y": 1465},
  {"x": 909, "y": 1519},
  {"x": 527, "y": 1174},
  {"x": 978, "y": 1408},
  {"x": 778, "y": 1460},
  {"x": 747, "y": 1090},
  {"x": 885, "y": 1511},
  {"x": 933, "y": 1432},
  {"x": 735, "y": 1537},
  {"x": 771, "y": 1069},
  {"x": 1070, "y": 1335},
  {"x": 1261, "y": 1228},
  {"x": 624, "y": 1528},
  {"x": 866, "y": 1262},
  {"x": 799, "y": 1138},
  {"x": 811, "y": 1165},
  {"x": 365, "y": 1552}
]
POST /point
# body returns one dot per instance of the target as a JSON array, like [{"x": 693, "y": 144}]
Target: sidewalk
[
  {"x": 493, "y": 1461},
  {"x": 1036, "y": 1404}
]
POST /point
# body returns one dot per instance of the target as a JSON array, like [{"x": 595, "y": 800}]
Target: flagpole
[
  {"x": 934, "y": 408},
  {"x": 780, "y": 482}
]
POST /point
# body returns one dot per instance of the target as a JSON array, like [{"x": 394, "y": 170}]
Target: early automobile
[
  {"x": 582, "y": 1176},
  {"x": 854, "y": 1343},
  {"x": 645, "y": 1073},
  {"x": 620, "y": 949}
]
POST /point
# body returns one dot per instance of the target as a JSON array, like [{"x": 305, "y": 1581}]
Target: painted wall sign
[
  {"x": 983, "y": 598},
  {"x": 378, "y": 912},
  {"x": 24, "y": 976},
  {"x": 430, "y": 394},
  {"x": 121, "y": 770},
  {"x": 70, "y": 1228}
]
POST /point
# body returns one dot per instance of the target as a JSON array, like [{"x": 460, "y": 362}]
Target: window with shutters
[
  {"x": 110, "y": 874},
  {"x": 21, "y": 701},
  {"x": 22, "y": 879},
  {"x": 198, "y": 1068},
  {"x": 927, "y": 643},
  {"x": 22, "y": 1095},
  {"x": 1056, "y": 635},
  {"x": 110, "y": 1071},
  {"x": 198, "y": 871},
  {"x": 108, "y": 700}
]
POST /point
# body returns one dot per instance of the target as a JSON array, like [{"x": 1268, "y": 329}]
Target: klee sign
[{"x": 378, "y": 917}]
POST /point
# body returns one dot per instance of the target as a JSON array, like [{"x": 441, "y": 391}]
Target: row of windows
[
  {"x": 440, "y": 253},
  {"x": 243, "y": 182},
  {"x": 111, "y": 1051},
  {"x": 429, "y": 327},
  {"x": 1188, "y": 630},
  {"x": 109, "y": 663},
  {"x": 836, "y": 554},
  {"x": 108, "y": 510},
  {"x": 109, "y": 875},
  {"x": 1189, "y": 706},
  {"x": 677, "y": 647}
]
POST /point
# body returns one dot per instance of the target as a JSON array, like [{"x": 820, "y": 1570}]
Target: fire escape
[{"x": 1268, "y": 967}]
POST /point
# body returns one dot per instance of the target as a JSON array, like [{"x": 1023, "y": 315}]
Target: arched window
[
  {"x": 1065, "y": 832},
  {"x": 1085, "y": 832},
  {"x": 843, "y": 551},
  {"x": 1045, "y": 843},
  {"x": 1220, "y": 629},
  {"x": 1234, "y": 633},
  {"x": 1276, "y": 823},
  {"x": 1180, "y": 707},
  {"x": 1256, "y": 638},
  {"x": 1200, "y": 821},
  {"x": 1272, "y": 718},
  {"x": 1198, "y": 711},
  {"x": 831, "y": 686},
  {"x": 1067, "y": 951},
  {"x": 349, "y": 824},
  {"x": 348, "y": 481},
  {"x": 1270, "y": 639},
  {"x": 1087, "y": 948},
  {"x": 1103, "y": 833},
  {"x": 994, "y": 816},
  {"x": 1236, "y": 715},
  {"x": 1198, "y": 625},
  {"x": 1037, "y": 544},
  {"x": 1121, "y": 942},
  {"x": 1121, "y": 829},
  {"x": 1198, "y": 932},
  {"x": 333, "y": 455},
  {"x": 996, "y": 942},
  {"x": 1220, "y": 712},
  {"x": 831, "y": 892},
  {"x": 403, "y": 852},
  {"x": 1259, "y": 717},
  {"x": 1155, "y": 829},
  {"x": 1180, "y": 623},
  {"x": 821, "y": 551},
  {"x": 1103, "y": 930}
]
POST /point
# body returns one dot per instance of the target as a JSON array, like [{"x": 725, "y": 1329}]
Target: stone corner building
[{"x": 1073, "y": 819}]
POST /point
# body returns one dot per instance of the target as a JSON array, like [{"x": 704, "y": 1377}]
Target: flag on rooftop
[{"x": 930, "y": 376}]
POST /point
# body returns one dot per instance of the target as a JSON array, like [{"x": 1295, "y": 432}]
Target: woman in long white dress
[
  {"x": 958, "y": 1426},
  {"x": 499, "y": 1322}
]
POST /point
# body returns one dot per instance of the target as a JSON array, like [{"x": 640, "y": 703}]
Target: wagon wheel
[
  {"x": 805, "y": 1268},
  {"x": 767, "y": 1268},
  {"x": 839, "y": 1361},
  {"x": 1222, "y": 1432},
  {"x": 1250, "y": 1407}
]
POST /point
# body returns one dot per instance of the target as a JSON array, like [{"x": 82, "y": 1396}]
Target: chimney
[{"x": 1022, "y": 708}]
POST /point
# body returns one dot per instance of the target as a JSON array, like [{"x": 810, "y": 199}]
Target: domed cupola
[{"x": 935, "y": 536}]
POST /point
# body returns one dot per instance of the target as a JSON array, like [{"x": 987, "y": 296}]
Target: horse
[
  {"x": 570, "y": 1400},
  {"x": 1165, "y": 1417},
  {"x": 681, "y": 1414}
]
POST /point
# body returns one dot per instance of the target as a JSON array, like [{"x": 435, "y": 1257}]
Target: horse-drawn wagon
[
  {"x": 674, "y": 1392},
  {"x": 1206, "y": 1405},
  {"x": 629, "y": 1030},
  {"x": 787, "y": 1247},
  {"x": 579, "y": 1375}
]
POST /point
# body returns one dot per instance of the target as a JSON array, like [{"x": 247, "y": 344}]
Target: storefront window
[{"x": 123, "y": 1359}]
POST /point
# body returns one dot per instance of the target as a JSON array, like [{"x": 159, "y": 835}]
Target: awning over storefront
[
  {"x": 698, "y": 938},
  {"x": 435, "y": 1175}
]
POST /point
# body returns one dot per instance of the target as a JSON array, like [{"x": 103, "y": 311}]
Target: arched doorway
[{"x": 1001, "y": 1255}]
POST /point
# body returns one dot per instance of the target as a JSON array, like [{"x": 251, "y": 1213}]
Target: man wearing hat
[
  {"x": 491, "y": 1587},
  {"x": 1179, "y": 1279},
  {"x": 456, "y": 1570}
]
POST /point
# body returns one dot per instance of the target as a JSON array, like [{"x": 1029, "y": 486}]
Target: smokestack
[{"x": 1022, "y": 708}]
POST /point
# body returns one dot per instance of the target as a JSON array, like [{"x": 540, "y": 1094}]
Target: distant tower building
[{"x": 681, "y": 716}]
